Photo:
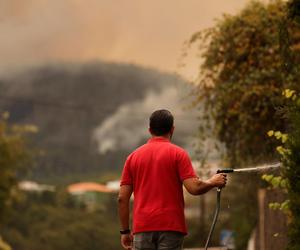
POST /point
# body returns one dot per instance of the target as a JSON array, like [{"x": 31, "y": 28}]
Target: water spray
[{"x": 261, "y": 168}]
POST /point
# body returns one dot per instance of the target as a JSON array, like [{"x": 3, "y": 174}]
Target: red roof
[{"x": 88, "y": 187}]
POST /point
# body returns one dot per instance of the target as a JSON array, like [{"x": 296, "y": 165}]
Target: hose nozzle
[{"x": 225, "y": 171}]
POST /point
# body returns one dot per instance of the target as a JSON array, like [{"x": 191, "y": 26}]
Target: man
[{"x": 155, "y": 173}]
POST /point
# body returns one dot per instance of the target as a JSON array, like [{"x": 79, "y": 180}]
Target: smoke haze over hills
[
  {"x": 91, "y": 115},
  {"x": 129, "y": 124}
]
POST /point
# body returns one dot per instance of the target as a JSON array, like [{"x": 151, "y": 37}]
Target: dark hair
[{"x": 161, "y": 122}]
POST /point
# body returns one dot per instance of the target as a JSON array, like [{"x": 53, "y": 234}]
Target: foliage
[
  {"x": 294, "y": 10},
  {"x": 292, "y": 173},
  {"x": 291, "y": 112},
  {"x": 14, "y": 158},
  {"x": 241, "y": 79},
  {"x": 290, "y": 158},
  {"x": 68, "y": 102},
  {"x": 240, "y": 83},
  {"x": 52, "y": 221}
]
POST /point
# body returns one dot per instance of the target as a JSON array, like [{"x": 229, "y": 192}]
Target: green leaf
[
  {"x": 277, "y": 134},
  {"x": 284, "y": 183},
  {"x": 284, "y": 138},
  {"x": 276, "y": 181},
  {"x": 288, "y": 93},
  {"x": 267, "y": 178},
  {"x": 274, "y": 205},
  {"x": 285, "y": 205}
]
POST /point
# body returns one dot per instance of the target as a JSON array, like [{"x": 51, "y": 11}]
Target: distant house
[
  {"x": 84, "y": 187},
  {"x": 31, "y": 186},
  {"x": 90, "y": 194},
  {"x": 114, "y": 185}
]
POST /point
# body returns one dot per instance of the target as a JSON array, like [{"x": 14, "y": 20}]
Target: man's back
[{"x": 156, "y": 171}]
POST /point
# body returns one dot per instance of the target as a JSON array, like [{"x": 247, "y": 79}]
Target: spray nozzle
[{"x": 225, "y": 171}]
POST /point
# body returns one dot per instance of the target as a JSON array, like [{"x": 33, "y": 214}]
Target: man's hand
[
  {"x": 218, "y": 180},
  {"x": 126, "y": 241},
  {"x": 195, "y": 186}
]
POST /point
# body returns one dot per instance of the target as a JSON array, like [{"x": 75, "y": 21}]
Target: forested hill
[{"x": 67, "y": 103}]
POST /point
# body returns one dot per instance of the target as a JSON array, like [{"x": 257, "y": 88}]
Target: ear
[
  {"x": 172, "y": 129},
  {"x": 149, "y": 129}
]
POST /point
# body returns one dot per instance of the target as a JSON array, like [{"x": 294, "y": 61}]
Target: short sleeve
[
  {"x": 126, "y": 178},
  {"x": 184, "y": 165}
]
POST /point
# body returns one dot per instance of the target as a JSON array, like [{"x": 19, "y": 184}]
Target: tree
[
  {"x": 14, "y": 158},
  {"x": 289, "y": 150},
  {"x": 292, "y": 172},
  {"x": 289, "y": 181},
  {"x": 35, "y": 223},
  {"x": 239, "y": 84},
  {"x": 241, "y": 79},
  {"x": 292, "y": 159}
]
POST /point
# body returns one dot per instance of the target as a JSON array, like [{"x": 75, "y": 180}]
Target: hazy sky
[{"x": 147, "y": 32}]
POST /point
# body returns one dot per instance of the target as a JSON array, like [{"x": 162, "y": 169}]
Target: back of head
[{"x": 161, "y": 122}]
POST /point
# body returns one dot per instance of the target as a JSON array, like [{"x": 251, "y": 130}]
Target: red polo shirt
[{"x": 156, "y": 171}]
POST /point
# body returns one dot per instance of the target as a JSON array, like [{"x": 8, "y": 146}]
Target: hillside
[{"x": 69, "y": 102}]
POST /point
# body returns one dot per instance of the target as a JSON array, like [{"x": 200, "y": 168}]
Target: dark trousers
[{"x": 158, "y": 240}]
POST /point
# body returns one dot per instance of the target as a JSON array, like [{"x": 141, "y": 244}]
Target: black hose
[{"x": 215, "y": 217}]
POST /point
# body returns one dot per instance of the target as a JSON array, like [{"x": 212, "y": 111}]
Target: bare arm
[
  {"x": 124, "y": 206},
  {"x": 195, "y": 186}
]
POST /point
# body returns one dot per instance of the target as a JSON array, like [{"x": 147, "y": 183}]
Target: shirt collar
[{"x": 158, "y": 139}]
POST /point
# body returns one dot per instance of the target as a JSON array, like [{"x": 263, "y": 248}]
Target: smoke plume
[{"x": 128, "y": 126}]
